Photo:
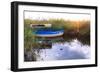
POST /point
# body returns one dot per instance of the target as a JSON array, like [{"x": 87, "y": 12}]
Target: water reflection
[{"x": 58, "y": 49}]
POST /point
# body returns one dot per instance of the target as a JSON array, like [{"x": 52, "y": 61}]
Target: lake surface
[{"x": 65, "y": 50}]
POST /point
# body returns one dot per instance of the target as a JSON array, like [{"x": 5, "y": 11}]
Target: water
[{"x": 65, "y": 50}]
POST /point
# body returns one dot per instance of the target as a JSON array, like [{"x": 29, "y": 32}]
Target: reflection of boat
[
  {"x": 49, "y": 39},
  {"x": 49, "y": 33}
]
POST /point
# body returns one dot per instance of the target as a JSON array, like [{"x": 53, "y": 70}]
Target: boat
[
  {"x": 46, "y": 30},
  {"x": 49, "y": 33}
]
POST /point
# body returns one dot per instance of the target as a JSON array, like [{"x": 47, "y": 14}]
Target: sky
[{"x": 48, "y": 15}]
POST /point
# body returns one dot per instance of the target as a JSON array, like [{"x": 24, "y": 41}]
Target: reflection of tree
[{"x": 84, "y": 39}]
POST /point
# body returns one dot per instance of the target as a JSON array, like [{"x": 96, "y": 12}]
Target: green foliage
[{"x": 28, "y": 38}]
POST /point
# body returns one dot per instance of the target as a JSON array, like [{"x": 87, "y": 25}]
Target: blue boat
[{"x": 49, "y": 33}]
